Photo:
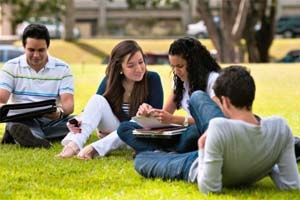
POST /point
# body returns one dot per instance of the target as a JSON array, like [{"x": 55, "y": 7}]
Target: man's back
[{"x": 246, "y": 152}]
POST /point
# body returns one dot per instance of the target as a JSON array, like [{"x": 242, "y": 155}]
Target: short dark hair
[
  {"x": 236, "y": 83},
  {"x": 36, "y": 31}
]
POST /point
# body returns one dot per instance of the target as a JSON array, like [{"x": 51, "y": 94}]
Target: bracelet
[{"x": 186, "y": 121}]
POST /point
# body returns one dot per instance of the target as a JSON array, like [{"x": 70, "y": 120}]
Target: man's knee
[{"x": 198, "y": 96}]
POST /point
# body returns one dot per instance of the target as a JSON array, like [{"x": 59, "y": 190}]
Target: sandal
[
  {"x": 69, "y": 150},
  {"x": 87, "y": 153}
]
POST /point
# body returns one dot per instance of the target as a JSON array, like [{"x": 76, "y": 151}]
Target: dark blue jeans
[
  {"x": 164, "y": 165},
  {"x": 202, "y": 109}
]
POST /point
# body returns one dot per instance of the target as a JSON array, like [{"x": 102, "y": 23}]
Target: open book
[
  {"x": 23, "y": 111},
  {"x": 152, "y": 128}
]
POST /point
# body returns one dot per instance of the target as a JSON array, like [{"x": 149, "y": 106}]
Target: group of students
[{"x": 224, "y": 144}]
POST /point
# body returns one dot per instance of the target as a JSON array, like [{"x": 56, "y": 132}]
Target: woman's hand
[
  {"x": 162, "y": 116},
  {"x": 74, "y": 128},
  {"x": 144, "y": 110}
]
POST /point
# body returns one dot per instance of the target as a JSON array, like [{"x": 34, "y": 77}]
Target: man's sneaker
[
  {"x": 23, "y": 136},
  {"x": 7, "y": 138}
]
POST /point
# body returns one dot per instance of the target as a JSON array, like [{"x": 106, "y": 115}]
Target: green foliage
[
  {"x": 37, "y": 174},
  {"x": 24, "y": 10}
]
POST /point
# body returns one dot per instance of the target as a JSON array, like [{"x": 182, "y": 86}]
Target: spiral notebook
[{"x": 23, "y": 111}]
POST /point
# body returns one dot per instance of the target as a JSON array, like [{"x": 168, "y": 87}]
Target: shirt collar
[{"x": 50, "y": 64}]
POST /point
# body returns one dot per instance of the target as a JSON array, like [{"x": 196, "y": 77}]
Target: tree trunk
[
  {"x": 267, "y": 31},
  {"x": 69, "y": 20},
  {"x": 226, "y": 36},
  {"x": 6, "y": 12},
  {"x": 239, "y": 19}
]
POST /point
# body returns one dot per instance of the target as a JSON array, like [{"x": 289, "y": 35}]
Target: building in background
[
  {"x": 102, "y": 17},
  {"x": 113, "y": 18}
]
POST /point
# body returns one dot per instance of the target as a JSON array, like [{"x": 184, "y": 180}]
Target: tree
[
  {"x": 226, "y": 36},
  {"x": 260, "y": 38},
  {"x": 24, "y": 10},
  {"x": 69, "y": 20},
  {"x": 239, "y": 20}
]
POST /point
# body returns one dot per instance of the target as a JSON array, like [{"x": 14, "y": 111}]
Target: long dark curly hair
[{"x": 199, "y": 64}]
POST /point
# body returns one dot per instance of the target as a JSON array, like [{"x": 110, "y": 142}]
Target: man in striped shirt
[{"x": 32, "y": 77}]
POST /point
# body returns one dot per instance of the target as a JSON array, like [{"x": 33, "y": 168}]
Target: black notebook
[{"x": 23, "y": 111}]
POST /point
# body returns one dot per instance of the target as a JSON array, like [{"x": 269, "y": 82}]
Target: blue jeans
[
  {"x": 164, "y": 165},
  {"x": 202, "y": 109}
]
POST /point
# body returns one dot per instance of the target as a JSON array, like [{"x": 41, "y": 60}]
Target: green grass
[
  {"x": 37, "y": 174},
  {"x": 92, "y": 51}
]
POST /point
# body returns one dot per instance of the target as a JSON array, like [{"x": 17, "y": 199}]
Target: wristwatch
[{"x": 186, "y": 121}]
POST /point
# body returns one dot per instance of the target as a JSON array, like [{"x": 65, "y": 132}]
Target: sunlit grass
[
  {"x": 36, "y": 174},
  {"x": 91, "y": 51}
]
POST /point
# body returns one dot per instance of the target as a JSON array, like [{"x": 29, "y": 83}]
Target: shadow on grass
[{"x": 90, "y": 49}]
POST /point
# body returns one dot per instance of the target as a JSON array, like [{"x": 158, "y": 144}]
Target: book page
[
  {"x": 167, "y": 130},
  {"x": 150, "y": 122},
  {"x": 26, "y": 110}
]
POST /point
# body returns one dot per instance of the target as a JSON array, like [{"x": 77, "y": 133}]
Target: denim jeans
[
  {"x": 143, "y": 144},
  {"x": 163, "y": 165},
  {"x": 202, "y": 108}
]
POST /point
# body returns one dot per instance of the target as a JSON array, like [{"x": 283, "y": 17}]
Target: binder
[{"x": 23, "y": 111}]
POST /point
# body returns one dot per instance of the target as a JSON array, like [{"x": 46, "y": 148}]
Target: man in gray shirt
[{"x": 238, "y": 150}]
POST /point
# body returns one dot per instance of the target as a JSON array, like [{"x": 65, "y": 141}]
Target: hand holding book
[
  {"x": 162, "y": 116},
  {"x": 144, "y": 110},
  {"x": 152, "y": 128}
]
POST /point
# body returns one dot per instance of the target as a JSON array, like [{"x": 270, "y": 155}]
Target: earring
[{"x": 121, "y": 72}]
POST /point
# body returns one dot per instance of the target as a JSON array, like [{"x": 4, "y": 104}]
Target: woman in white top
[{"x": 194, "y": 73}]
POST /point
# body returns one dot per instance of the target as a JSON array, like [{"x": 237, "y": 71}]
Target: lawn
[
  {"x": 92, "y": 51},
  {"x": 37, "y": 174}
]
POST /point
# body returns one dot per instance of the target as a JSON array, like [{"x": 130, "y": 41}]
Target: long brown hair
[{"x": 114, "y": 91}]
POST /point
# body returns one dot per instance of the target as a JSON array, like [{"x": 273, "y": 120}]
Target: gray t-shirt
[{"x": 239, "y": 153}]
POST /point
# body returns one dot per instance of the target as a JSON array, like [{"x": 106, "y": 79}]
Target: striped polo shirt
[{"x": 27, "y": 85}]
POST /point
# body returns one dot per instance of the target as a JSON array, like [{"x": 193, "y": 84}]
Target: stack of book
[{"x": 152, "y": 128}]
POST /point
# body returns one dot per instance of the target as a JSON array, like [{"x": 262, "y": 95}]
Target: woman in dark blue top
[
  {"x": 155, "y": 96},
  {"x": 125, "y": 87}
]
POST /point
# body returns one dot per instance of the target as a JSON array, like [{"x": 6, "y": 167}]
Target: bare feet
[
  {"x": 70, "y": 150},
  {"x": 87, "y": 153}
]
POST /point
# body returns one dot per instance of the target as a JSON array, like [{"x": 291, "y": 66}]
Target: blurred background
[{"x": 239, "y": 30}]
